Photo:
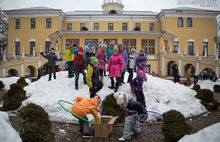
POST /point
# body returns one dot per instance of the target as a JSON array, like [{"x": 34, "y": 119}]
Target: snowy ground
[
  {"x": 209, "y": 134},
  {"x": 207, "y": 84},
  {"x": 160, "y": 95},
  {"x": 7, "y": 133},
  {"x": 10, "y": 80}
]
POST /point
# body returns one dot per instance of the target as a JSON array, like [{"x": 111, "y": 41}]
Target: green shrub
[
  {"x": 196, "y": 87},
  {"x": 207, "y": 99},
  {"x": 13, "y": 98},
  {"x": 110, "y": 107},
  {"x": 36, "y": 126},
  {"x": 1, "y": 85},
  {"x": 33, "y": 80},
  {"x": 217, "y": 88},
  {"x": 22, "y": 82},
  {"x": 174, "y": 126}
]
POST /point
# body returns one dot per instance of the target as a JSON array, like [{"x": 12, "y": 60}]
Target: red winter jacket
[{"x": 79, "y": 62}]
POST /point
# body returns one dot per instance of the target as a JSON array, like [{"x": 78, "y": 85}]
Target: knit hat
[
  {"x": 133, "y": 50},
  {"x": 80, "y": 49},
  {"x": 142, "y": 50},
  {"x": 141, "y": 72},
  {"x": 104, "y": 46},
  {"x": 51, "y": 49},
  {"x": 120, "y": 45},
  {"x": 119, "y": 98},
  {"x": 74, "y": 45},
  {"x": 94, "y": 60},
  {"x": 115, "y": 48},
  {"x": 67, "y": 44},
  {"x": 99, "y": 99}
]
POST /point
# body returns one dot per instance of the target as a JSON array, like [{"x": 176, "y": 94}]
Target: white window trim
[
  {"x": 32, "y": 39},
  {"x": 190, "y": 40},
  {"x": 47, "y": 39},
  {"x": 17, "y": 40},
  {"x": 205, "y": 40}
]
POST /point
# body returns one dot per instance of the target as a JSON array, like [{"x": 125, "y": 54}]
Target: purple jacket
[
  {"x": 101, "y": 56},
  {"x": 137, "y": 84},
  {"x": 141, "y": 62},
  {"x": 125, "y": 57}
]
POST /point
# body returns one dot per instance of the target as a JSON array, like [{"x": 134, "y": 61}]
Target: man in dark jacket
[
  {"x": 52, "y": 58},
  {"x": 176, "y": 74}
]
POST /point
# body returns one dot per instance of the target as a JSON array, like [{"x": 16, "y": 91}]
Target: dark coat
[
  {"x": 88, "y": 57},
  {"x": 137, "y": 84},
  {"x": 52, "y": 58},
  {"x": 134, "y": 107},
  {"x": 176, "y": 74}
]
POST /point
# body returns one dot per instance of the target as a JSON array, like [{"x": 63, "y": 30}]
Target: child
[
  {"x": 90, "y": 44},
  {"x": 69, "y": 60},
  {"x": 93, "y": 77},
  {"x": 101, "y": 56},
  {"x": 131, "y": 62},
  {"x": 110, "y": 49},
  {"x": 79, "y": 65},
  {"x": 85, "y": 106},
  {"x": 88, "y": 56},
  {"x": 160, "y": 75},
  {"x": 137, "y": 87},
  {"x": 115, "y": 67},
  {"x": 124, "y": 55},
  {"x": 140, "y": 63},
  {"x": 52, "y": 58},
  {"x": 133, "y": 109}
]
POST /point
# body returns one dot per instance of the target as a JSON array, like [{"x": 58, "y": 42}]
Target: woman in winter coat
[
  {"x": 140, "y": 63},
  {"x": 84, "y": 106},
  {"x": 176, "y": 75},
  {"x": 115, "y": 67},
  {"x": 101, "y": 56},
  {"x": 124, "y": 55},
  {"x": 131, "y": 63}
]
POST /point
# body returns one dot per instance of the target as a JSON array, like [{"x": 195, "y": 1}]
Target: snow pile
[
  {"x": 7, "y": 133},
  {"x": 10, "y": 80},
  {"x": 160, "y": 95},
  {"x": 207, "y": 84},
  {"x": 209, "y": 134}
]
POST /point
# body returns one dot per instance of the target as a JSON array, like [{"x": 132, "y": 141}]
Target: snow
[
  {"x": 207, "y": 84},
  {"x": 209, "y": 134},
  {"x": 160, "y": 95},
  {"x": 10, "y": 80},
  {"x": 7, "y": 133}
]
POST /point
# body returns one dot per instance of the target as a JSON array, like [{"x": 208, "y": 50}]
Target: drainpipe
[{"x": 159, "y": 52}]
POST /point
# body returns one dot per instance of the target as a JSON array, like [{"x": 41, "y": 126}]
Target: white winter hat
[{"x": 119, "y": 98}]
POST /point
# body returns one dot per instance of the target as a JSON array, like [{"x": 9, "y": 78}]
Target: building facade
[{"x": 182, "y": 36}]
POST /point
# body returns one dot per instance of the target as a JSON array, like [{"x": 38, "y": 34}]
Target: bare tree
[{"x": 3, "y": 33}]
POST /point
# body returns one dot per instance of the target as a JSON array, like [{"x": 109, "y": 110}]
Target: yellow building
[{"x": 182, "y": 36}]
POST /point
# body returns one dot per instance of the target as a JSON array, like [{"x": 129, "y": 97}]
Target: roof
[
  {"x": 189, "y": 9},
  {"x": 36, "y": 9}
]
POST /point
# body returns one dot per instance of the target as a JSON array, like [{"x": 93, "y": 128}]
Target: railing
[{"x": 106, "y": 1}]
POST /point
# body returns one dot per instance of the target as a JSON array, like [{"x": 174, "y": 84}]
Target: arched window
[
  {"x": 180, "y": 22},
  {"x": 189, "y": 22}
]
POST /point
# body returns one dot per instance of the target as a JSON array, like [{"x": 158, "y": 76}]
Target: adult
[
  {"x": 124, "y": 55},
  {"x": 69, "y": 60},
  {"x": 90, "y": 44},
  {"x": 176, "y": 75}
]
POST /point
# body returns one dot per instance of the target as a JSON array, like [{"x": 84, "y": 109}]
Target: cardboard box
[{"x": 105, "y": 128}]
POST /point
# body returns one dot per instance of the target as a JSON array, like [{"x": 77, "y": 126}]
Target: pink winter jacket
[
  {"x": 115, "y": 65},
  {"x": 101, "y": 56}
]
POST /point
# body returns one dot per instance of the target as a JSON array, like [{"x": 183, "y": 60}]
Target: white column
[
  {"x": 170, "y": 48},
  {"x": 39, "y": 63},
  {"x": 214, "y": 49},
  {"x": 22, "y": 70},
  {"x": 41, "y": 48},
  {"x": 180, "y": 67},
  {"x": 206, "y": 52},
  {"x": 56, "y": 46},
  {"x": 185, "y": 50},
  {"x": 34, "y": 54},
  {"x": 163, "y": 47},
  {"x": 3, "y": 72},
  {"x": 179, "y": 49},
  {"x": 163, "y": 65},
  {"x": 131, "y": 24},
  {"x": 23, "y": 53},
  {"x": 90, "y": 24},
  {"x": 197, "y": 66},
  {"x": 197, "y": 51},
  {"x": 217, "y": 71}
]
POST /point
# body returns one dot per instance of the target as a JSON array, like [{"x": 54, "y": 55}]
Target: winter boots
[
  {"x": 112, "y": 86},
  {"x": 116, "y": 87},
  {"x": 70, "y": 75}
]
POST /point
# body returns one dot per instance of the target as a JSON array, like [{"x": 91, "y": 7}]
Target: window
[
  {"x": 82, "y": 25},
  {"x": 205, "y": 48},
  {"x": 108, "y": 41},
  {"x": 148, "y": 45},
  {"x": 175, "y": 46},
  {"x": 72, "y": 41},
  {"x": 138, "y": 25},
  {"x": 33, "y": 23},
  {"x": 17, "y": 48},
  {"x": 124, "y": 26},
  {"x": 190, "y": 48},
  {"x": 151, "y": 27},
  {"x": 47, "y": 46},
  {"x": 32, "y": 46},
  {"x": 96, "y": 26},
  {"x": 189, "y": 22},
  {"x": 95, "y": 43},
  {"x": 110, "y": 26},
  {"x": 129, "y": 44},
  {"x": 48, "y": 23},
  {"x": 69, "y": 26},
  {"x": 17, "y": 23},
  {"x": 180, "y": 22},
  {"x": 148, "y": 68}
]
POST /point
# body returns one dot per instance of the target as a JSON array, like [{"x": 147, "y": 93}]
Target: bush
[
  {"x": 174, "y": 126},
  {"x": 13, "y": 98},
  {"x": 110, "y": 107},
  {"x": 1, "y": 85},
  {"x": 196, "y": 87},
  {"x": 33, "y": 80},
  {"x": 36, "y": 126},
  {"x": 217, "y": 88},
  {"x": 22, "y": 82},
  {"x": 207, "y": 99}
]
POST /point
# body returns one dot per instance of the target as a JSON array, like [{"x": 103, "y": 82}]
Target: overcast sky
[{"x": 71, "y": 5}]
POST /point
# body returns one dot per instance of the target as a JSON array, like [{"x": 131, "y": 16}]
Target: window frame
[
  {"x": 148, "y": 45},
  {"x": 207, "y": 46},
  {"x": 31, "y": 47},
  {"x": 17, "y": 23},
  {"x": 192, "y": 49},
  {"x": 48, "y": 23},
  {"x": 124, "y": 26},
  {"x": 68, "y": 26},
  {"x": 189, "y": 22},
  {"x": 96, "y": 26},
  {"x": 175, "y": 46},
  {"x": 111, "y": 28},
  {"x": 178, "y": 22},
  {"x": 17, "y": 47},
  {"x": 81, "y": 25},
  {"x": 47, "y": 46},
  {"x": 129, "y": 44},
  {"x": 33, "y": 23},
  {"x": 150, "y": 27}
]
